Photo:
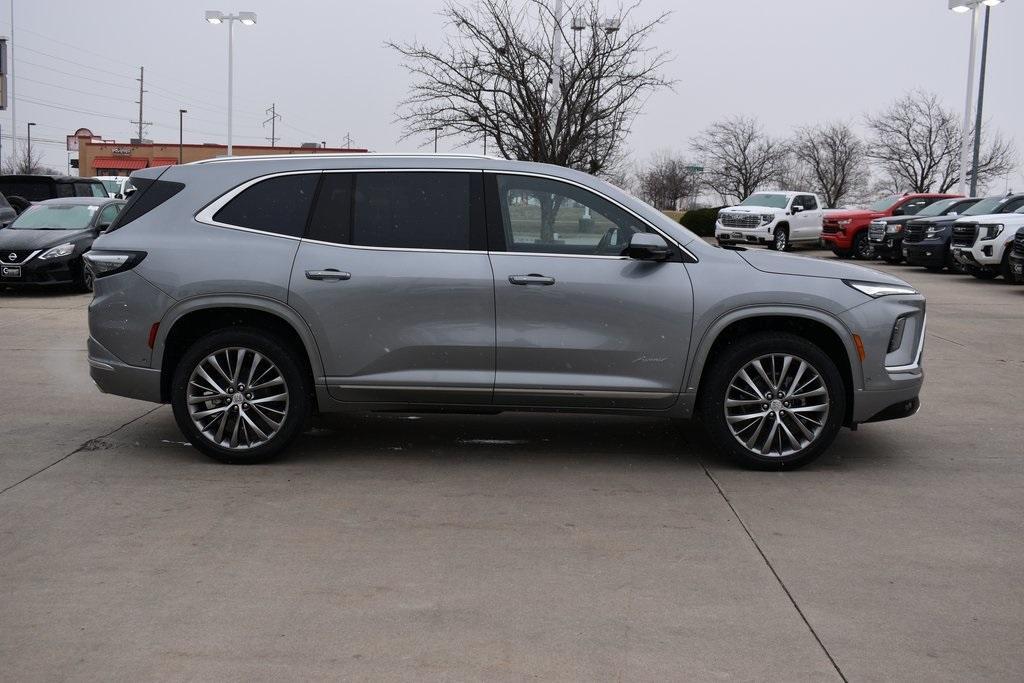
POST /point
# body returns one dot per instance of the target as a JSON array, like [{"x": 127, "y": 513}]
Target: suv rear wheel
[
  {"x": 773, "y": 401},
  {"x": 240, "y": 396}
]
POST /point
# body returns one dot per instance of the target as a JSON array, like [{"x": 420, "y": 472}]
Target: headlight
[
  {"x": 843, "y": 223},
  {"x": 933, "y": 231},
  {"x": 767, "y": 218},
  {"x": 105, "y": 263},
  {"x": 60, "y": 250},
  {"x": 990, "y": 232},
  {"x": 893, "y": 229},
  {"x": 875, "y": 289}
]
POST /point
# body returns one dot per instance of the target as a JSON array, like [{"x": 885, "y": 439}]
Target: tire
[
  {"x": 862, "y": 248},
  {"x": 1004, "y": 266},
  {"x": 723, "y": 381},
  {"x": 981, "y": 273},
  {"x": 248, "y": 433},
  {"x": 843, "y": 253},
  {"x": 86, "y": 280},
  {"x": 894, "y": 259},
  {"x": 934, "y": 269},
  {"x": 780, "y": 239}
]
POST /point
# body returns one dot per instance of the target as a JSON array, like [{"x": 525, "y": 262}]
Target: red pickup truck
[{"x": 846, "y": 231}]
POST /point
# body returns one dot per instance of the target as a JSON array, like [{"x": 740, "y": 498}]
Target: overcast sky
[{"x": 789, "y": 62}]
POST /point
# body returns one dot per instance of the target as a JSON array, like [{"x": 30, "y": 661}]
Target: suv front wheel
[
  {"x": 240, "y": 396},
  {"x": 772, "y": 401}
]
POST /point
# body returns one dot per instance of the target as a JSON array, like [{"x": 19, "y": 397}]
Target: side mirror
[
  {"x": 102, "y": 227},
  {"x": 898, "y": 211},
  {"x": 118, "y": 195},
  {"x": 646, "y": 246},
  {"x": 797, "y": 208}
]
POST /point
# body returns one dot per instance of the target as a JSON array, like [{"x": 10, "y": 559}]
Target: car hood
[
  {"x": 890, "y": 220},
  {"x": 934, "y": 220},
  {"x": 844, "y": 214},
  {"x": 37, "y": 239},
  {"x": 750, "y": 209},
  {"x": 1004, "y": 218},
  {"x": 789, "y": 264}
]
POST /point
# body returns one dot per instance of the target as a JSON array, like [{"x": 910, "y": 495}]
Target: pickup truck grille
[
  {"x": 740, "y": 220},
  {"x": 1018, "y": 243},
  {"x": 876, "y": 232},
  {"x": 913, "y": 233},
  {"x": 965, "y": 235}
]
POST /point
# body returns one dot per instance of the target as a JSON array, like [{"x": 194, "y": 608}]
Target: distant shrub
[{"x": 701, "y": 221}]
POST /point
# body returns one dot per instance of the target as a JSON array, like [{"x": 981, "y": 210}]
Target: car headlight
[
  {"x": 876, "y": 289},
  {"x": 60, "y": 250},
  {"x": 934, "y": 231},
  {"x": 767, "y": 218},
  {"x": 893, "y": 229},
  {"x": 990, "y": 232}
]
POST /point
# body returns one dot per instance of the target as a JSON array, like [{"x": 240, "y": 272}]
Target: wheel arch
[
  {"x": 819, "y": 327},
  {"x": 193, "y": 318}
]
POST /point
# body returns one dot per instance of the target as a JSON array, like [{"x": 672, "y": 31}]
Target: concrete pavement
[{"x": 513, "y": 546}]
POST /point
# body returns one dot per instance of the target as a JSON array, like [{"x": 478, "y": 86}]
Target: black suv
[
  {"x": 926, "y": 240},
  {"x": 1017, "y": 258},
  {"x": 22, "y": 190},
  {"x": 886, "y": 233}
]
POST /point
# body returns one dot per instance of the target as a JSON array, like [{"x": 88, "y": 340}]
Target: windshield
[
  {"x": 986, "y": 205},
  {"x": 775, "y": 201},
  {"x": 67, "y": 217},
  {"x": 113, "y": 186},
  {"x": 937, "y": 208},
  {"x": 883, "y": 204}
]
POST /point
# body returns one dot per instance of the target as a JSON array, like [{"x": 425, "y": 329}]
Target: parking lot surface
[{"x": 513, "y": 546}]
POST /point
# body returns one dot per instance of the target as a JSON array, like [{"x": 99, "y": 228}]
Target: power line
[{"x": 274, "y": 118}]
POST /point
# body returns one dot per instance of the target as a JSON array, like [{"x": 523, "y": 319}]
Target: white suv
[
  {"x": 982, "y": 244},
  {"x": 774, "y": 218}
]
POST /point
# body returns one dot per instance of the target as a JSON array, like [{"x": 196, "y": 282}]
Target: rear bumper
[{"x": 112, "y": 376}]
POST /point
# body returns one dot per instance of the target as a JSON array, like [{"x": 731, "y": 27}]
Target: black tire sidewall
[
  {"x": 775, "y": 236},
  {"x": 736, "y": 355},
  {"x": 278, "y": 353},
  {"x": 858, "y": 244}
]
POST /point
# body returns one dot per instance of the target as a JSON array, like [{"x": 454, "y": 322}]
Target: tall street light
[
  {"x": 962, "y": 6},
  {"x": 181, "y": 131},
  {"x": 28, "y": 138},
  {"x": 218, "y": 17}
]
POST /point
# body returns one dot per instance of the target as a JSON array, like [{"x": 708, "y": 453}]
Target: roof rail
[{"x": 341, "y": 155}]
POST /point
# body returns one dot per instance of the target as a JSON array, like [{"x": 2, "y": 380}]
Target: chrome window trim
[
  {"x": 21, "y": 263},
  {"x": 408, "y": 249},
  {"x": 603, "y": 196}
]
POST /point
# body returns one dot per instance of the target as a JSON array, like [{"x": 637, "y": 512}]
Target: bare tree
[
  {"x": 915, "y": 142},
  {"x": 831, "y": 161},
  {"x": 513, "y": 73},
  {"x": 21, "y": 164},
  {"x": 666, "y": 178},
  {"x": 739, "y": 158}
]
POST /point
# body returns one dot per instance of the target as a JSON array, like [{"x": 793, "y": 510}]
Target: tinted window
[
  {"x": 1013, "y": 205},
  {"x": 548, "y": 216},
  {"x": 808, "y": 202},
  {"x": 278, "y": 205},
  {"x": 148, "y": 195},
  {"x": 332, "y": 216},
  {"x": 30, "y": 189},
  {"x": 412, "y": 210}
]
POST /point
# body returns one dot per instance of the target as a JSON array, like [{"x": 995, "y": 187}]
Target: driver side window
[{"x": 540, "y": 215}]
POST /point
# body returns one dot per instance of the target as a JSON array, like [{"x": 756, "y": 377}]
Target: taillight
[{"x": 104, "y": 263}]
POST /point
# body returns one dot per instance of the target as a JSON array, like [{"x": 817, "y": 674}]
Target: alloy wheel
[
  {"x": 776, "y": 405},
  {"x": 237, "y": 398},
  {"x": 780, "y": 240}
]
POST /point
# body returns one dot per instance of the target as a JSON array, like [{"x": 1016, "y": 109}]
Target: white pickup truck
[
  {"x": 777, "y": 219},
  {"x": 982, "y": 244}
]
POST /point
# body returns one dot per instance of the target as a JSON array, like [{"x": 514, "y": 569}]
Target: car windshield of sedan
[
  {"x": 67, "y": 217},
  {"x": 775, "y": 201},
  {"x": 884, "y": 204}
]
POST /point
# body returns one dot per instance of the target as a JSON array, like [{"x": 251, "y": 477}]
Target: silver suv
[{"x": 251, "y": 292}]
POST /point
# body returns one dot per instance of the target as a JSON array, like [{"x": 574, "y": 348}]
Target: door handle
[
  {"x": 332, "y": 274},
  {"x": 531, "y": 279}
]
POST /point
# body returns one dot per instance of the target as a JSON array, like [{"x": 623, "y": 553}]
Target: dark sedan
[{"x": 44, "y": 245}]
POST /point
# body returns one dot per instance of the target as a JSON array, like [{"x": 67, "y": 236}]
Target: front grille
[
  {"x": 1018, "y": 243},
  {"x": 913, "y": 233},
  {"x": 740, "y": 220},
  {"x": 14, "y": 255},
  {"x": 830, "y": 226},
  {"x": 876, "y": 232},
  {"x": 965, "y": 234}
]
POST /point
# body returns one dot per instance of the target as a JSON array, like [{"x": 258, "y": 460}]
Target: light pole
[
  {"x": 610, "y": 28},
  {"x": 28, "y": 138},
  {"x": 971, "y": 6},
  {"x": 218, "y": 17},
  {"x": 181, "y": 131}
]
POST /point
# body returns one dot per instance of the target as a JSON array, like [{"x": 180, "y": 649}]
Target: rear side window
[
  {"x": 412, "y": 210},
  {"x": 332, "y": 216},
  {"x": 279, "y": 205},
  {"x": 148, "y": 195},
  {"x": 1013, "y": 205}
]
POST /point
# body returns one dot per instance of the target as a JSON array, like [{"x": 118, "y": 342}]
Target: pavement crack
[
  {"x": 88, "y": 445},
  {"x": 771, "y": 568}
]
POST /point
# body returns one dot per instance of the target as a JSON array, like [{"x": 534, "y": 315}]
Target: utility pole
[
  {"x": 10, "y": 69},
  {"x": 981, "y": 104},
  {"x": 274, "y": 118},
  {"x": 348, "y": 140},
  {"x": 141, "y": 122}
]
